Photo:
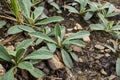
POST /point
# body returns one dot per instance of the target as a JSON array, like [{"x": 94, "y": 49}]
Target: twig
[{"x": 9, "y": 18}]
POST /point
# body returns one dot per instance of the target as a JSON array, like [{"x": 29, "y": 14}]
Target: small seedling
[
  {"x": 62, "y": 44},
  {"x": 20, "y": 60}
]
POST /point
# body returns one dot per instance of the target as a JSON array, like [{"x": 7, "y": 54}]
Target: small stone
[
  {"x": 10, "y": 48},
  {"x": 86, "y": 39},
  {"x": 55, "y": 63},
  {"x": 107, "y": 55},
  {"x": 70, "y": 29},
  {"x": 2, "y": 71},
  {"x": 80, "y": 60},
  {"x": 99, "y": 46},
  {"x": 102, "y": 51},
  {"x": 103, "y": 72},
  {"x": 99, "y": 56},
  {"x": 107, "y": 50},
  {"x": 46, "y": 70},
  {"x": 78, "y": 27},
  {"x": 40, "y": 65},
  {"x": 76, "y": 48},
  {"x": 112, "y": 77}
]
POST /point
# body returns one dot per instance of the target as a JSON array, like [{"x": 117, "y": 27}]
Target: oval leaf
[
  {"x": 9, "y": 75},
  {"x": 4, "y": 54},
  {"x": 24, "y": 44},
  {"x": 50, "y": 20},
  {"x": 77, "y": 35},
  {"x": 118, "y": 66},
  {"x": 66, "y": 59},
  {"x": 27, "y": 28},
  {"x": 14, "y": 29},
  {"x": 40, "y": 54},
  {"x": 42, "y": 36}
]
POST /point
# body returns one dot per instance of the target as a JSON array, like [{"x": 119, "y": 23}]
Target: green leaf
[
  {"x": 9, "y": 75},
  {"x": 71, "y": 9},
  {"x": 102, "y": 19},
  {"x": 37, "y": 12},
  {"x": 77, "y": 42},
  {"x": 37, "y": 73},
  {"x": 57, "y": 31},
  {"x": 26, "y": 8},
  {"x": 20, "y": 54},
  {"x": 15, "y": 7},
  {"x": 26, "y": 28},
  {"x": 66, "y": 59},
  {"x": 26, "y": 65},
  {"x": 50, "y": 20},
  {"x": 111, "y": 9},
  {"x": 56, "y": 6},
  {"x": 118, "y": 66},
  {"x": 24, "y": 44},
  {"x": 38, "y": 41},
  {"x": 15, "y": 29},
  {"x": 52, "y": 47},
  {"x": 74, "y": 56},
  {"x": 2, "y": 23},
  {"x": 117, "y": 27},
  {"x": 42, "y": 36},
  {"x": 4, "y": 54},
  {"x": 40, "y": 54},
  {"x": 97, "y": 27},
  {"x": 77, "y": 35},
  {"x": 29, "y": 67},
  {"x": 88, "y": 15}
]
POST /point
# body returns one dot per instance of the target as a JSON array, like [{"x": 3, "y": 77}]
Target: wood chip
[{"x": 2, "y": 71}]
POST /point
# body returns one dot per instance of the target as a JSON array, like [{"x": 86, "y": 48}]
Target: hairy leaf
[
  {"x": 42, "y": 36},
  {"x": 15, "y": 29},
  {"x": 4, "y": 54},
  {"x": 50, "y": 20},
  {"x": 9, "y": 75},
  {"x": 2, "y": 23},
  {"x": 66, "y": 59},
  {"x": 40, "y": 54},
  {"x": 118, "y": 66},
  {"x": 24, "y": 44}
]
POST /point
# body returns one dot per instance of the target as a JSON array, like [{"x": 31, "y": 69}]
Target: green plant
[
  {"x": 16, "y": 10},
  {"x": 108, "y": 26},
  {"x": 83, "y": 7},
  {"x": 63, "y": 43},
  {"x": 107, "y": 10},
  {"x": 2, "y": 23},
  {"x": 20, "y": 60},
  {"x": 36, "y": 16}
]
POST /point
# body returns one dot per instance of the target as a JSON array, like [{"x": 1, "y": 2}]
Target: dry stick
[{"x": 9, "y": 18}]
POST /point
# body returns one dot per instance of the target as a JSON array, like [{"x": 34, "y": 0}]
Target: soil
[{"x": 94, "y": 63}]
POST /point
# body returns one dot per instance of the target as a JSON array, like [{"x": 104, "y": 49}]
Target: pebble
[
  {"x": 107, "y": 55},
  {"x": 2, "y": 71},
  {"x": 99, "y": 47},
  {"x": 111, "y": 77},
  {"x": 80, "y": 60},
  {"x": 103, "y": 72},
  {"x": 99, "y": 56}
]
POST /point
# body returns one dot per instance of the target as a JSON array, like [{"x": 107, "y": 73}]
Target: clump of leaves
[
  {"x": 36, "y": 16},
  {"x": 108, "y": 26},
  {"x": 107, "y": 10},
  {"x": 62, "y": 43},
  {"x": 20, "y": 60},
  {"x": 83, "y": 7}
]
